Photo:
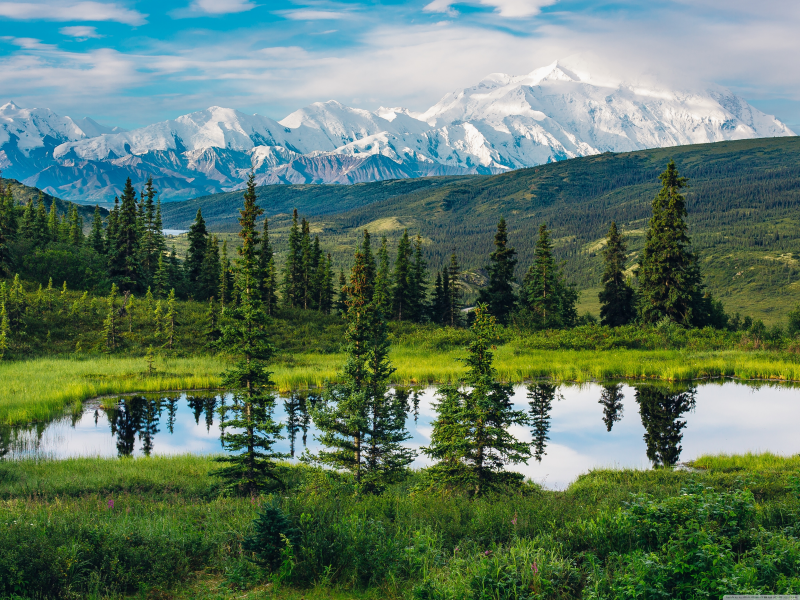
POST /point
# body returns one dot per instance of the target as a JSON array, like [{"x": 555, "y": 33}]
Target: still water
[{"x": 576, "y": 428}]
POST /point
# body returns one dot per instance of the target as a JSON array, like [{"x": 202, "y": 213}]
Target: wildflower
[
  {"x": 487, "y": 553},
  {"x": 111, "y": 504},
  {"x": 456, "y": 549},
  {"x": 514, "y": 520},
  {"x": 534, "y": 567}
]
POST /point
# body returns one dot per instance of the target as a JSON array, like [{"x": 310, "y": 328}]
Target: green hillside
[
  {"x": 743, "y": 212},
  {"x": 24, "y": 194}
]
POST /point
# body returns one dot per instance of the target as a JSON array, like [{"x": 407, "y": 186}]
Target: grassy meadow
[{"x": 158, "y": 528}]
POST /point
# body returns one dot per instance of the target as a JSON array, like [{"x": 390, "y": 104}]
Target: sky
[{"x": 131, "y": 63}]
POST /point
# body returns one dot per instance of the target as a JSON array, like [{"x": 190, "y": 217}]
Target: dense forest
[{"x": 742, "y": 204}]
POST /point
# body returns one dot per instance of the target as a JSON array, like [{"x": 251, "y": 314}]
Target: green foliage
[
  {"x": 271, "y": 530},
  {"x": 470, "y": 439},
  {"x": 499, "y": 295},
  {"x": 617, "y": 297}
]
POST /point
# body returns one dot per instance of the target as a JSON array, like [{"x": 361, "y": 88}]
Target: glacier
[{"x": 502, "y": 123}]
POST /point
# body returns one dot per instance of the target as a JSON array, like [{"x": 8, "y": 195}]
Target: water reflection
[
  {"x": 661, "y": 409},
  {"x": 540, "y": 401},
  {"x": 611, "y": 398}
]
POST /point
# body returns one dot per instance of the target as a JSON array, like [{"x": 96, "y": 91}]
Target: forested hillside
[
  {"x": 742, "y": 200},
  {"x": 23, "y": 194}
]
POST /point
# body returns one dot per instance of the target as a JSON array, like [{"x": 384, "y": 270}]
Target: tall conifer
[
  {"x": 616, "y": 299},
  {"x": 499, "y": 295},
  {"x": 402, "y": 299},
  {"x": 196, "y": 254}
]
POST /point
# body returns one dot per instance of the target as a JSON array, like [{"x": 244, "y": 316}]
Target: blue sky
[{"x": 131, "y": 63}]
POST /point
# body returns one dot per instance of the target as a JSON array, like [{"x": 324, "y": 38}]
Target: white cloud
[
  {"x": 80, "y": 32},
  {"x": 304, "y": 14},
  {"x": 74, "y": 11},
  {"x": 504, "y": 8},
  {"x": 221, "y": 7}
]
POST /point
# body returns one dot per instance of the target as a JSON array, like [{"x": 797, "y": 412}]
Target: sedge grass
[{"x": 38, "y": 389}]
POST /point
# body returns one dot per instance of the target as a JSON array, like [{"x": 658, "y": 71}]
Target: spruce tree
[
  {"x": 611, "y": 399},
  {"x": 170, "y": 319},
  {"x": 124, "y": 266},
  {"x": 28, "y": 223},
  {"x": 543, "y": 290},
  {"x": 251, "y": 432},
  {"x": 96, "y": 240},
  {"x": 341, "y": 298},
  {"x": 208, "y": 281},
  {"x": 471, "y": 441},
  {"x": 661, "y": 410},
  {"x": 196, "y": 254},
  {"x": 224, "y": 286},
  {"x": 452, "y": 291},
  {"x": 362, "y": 424},
  {"x": 668, "y": 273},
  {"x": 75, "y": 227},
  {"x": 5, "y": 252},
  {"x": 292, "y": 269},
  {"x": 152, "y": 245},
  {"x": 418, "y": 283},
  {"x": 540, "y": 400},
  {"x": 499, "y": 295},
  {"x": 402, "y": 292},
  {"x": 41, "y": 233},
  {"x": 53, "y": 223},
  {"x": 617, "y": 306},
  {"x": 110, "y": 333},
  {"x": 5, "y": 330},
  {"x": 211, "y": 327},
  {"x": 439, "y": 302},
  {"x": 269, "y": 275},
  {"x": 307, "y": 268},
  {"x": 161, "y": 279}
]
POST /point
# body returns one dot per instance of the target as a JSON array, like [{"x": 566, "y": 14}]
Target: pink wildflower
[
  {"x": 110, "y": 504},
  {"x": 514, "y": 520},
  {"x": 534, "y": 567}
]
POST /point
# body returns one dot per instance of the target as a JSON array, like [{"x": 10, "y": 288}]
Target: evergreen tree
[
  {"x": 5, "y": 252},
  {"x": 5, "y": 330},
  {"x": 96, "y": 240},
  {"x": 548, "y": 300},
  {"x": 452, "y": 292},
  {"x": 209, "y": 275},
  {"x": 617, "y": 306},
  {"x": 41, "y": 233},
  {"x": 211, "y": 328},
  {"x": 198, "y": 242},
  {"x": 369, "y": 263},
  {"x": 418, "y": 283},
  {"x": 269, "y": 275},
  {"x": 251, "y": 432},
  {"x": 292, "y": 270},
  {"x": 152, "y": 244},
  {"x": 471, "y": 439},
  {"x": 661, "y": 410},
  {"x": 382, "y": 295},
  {"x": 124, "y": 265},
  {"x": 402, "y": 292},
  {"x": 75, "y": 227},
  {"x": 161, "y": 279},
  {"x": 307, "y": 268},
  {"x": 169, "y": 319},
  {"x": 669, "y": 279},
  {"x": 341, "y": 298},
  {"x": 28, "y": 223},
  {"x": 53, "y": 223},
  {"x": 498, "y": 295},
  {"x": 110, "y": 333},
  {"x": 362, "y": 424},
  {"x": 224, "y": 278},
  {"x": 540, "y": 400},
  {"x": 174, "y": 269},
  {"x": 439, "y": 302}
]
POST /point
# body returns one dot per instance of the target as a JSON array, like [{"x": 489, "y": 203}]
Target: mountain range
[{"x": 500, "y": 124}]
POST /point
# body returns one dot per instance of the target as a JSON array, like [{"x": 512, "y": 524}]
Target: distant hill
[
  {"x": 24, "y": 194},
  {"x": 743, "y": 214}
]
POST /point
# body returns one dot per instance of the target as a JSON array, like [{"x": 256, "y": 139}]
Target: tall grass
[{"x": 39, "y": 389}]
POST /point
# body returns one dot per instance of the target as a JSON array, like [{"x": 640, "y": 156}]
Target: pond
[{"x": 576, "y": 427}]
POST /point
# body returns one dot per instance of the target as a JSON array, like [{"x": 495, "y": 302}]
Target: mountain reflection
[{"x": 661, "y": 408}]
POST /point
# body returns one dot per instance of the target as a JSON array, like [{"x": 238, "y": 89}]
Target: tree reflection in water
[
  {"x": 611, "y": 399},
  {"x": 137, "y": 416},
  {"x": 540, "y": 400},
  {"x": 661, "y": 408}
]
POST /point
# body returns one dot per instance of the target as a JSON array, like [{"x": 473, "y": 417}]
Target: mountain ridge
[{"x": 502, "y": 123}]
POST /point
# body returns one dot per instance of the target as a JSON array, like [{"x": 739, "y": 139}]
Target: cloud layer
[{"x": 271, "y": 57}]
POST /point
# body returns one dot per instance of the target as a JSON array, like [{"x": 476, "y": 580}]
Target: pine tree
[
  {"x": 251, "y": 433},
  {"x": 75, "y": 227},
  {"x": 326, "y": 286},
  {"x": 617, "y": 306},
  {"x": 211, "y": 328},
  {"x": 361, "y": 424},
  {"x": 292, "y": 270},
  {"x": 28, "y": 223},
  {"x": 402, "y": 300},
  {"x": 5, "y": 253},
  {"x": 669, "y": 278},
  {"x": 341, "y": 298},
  {"x": 169, "y": 319},
  {"x": 198, "y": 241},
  {"x": 661, "y": 411},
  {"x": 224, "y": 278},
  {"x": 382, "y": 295},
  {"x": 498, "y": 295},
  {"x": 439, "y": 302},
  {"x": 152, "y": 237},
  {"x": 269, "y": 274},
  {"x": 158, "y": 320},
  {"x": 418, "y": 283},
  {"x": 124, "y": 265},
  {"x": 41, "y": 233},
  {"x": 110, "y": 333},
  {"x": 307, "y": 268},
  {"x": 96, "y": 240},
  {"x": 471, "y": 439},
  {"x": 53, "y": 223},
  {"x": 452, "y": 292},
  {"x": 174, "y": 269},
  {"x": 209, "y": 275},
  {"x": 161, "y": 279},
  {"x": 545, "y": 296}
]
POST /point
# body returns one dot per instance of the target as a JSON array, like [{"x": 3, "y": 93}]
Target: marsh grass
[{"x": 40, "y": 389}]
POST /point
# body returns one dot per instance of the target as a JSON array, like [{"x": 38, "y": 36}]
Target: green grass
[
  {"x": 37, "y": 390},
  {"x": 41, "y": 388},
  {"x": 156, "y": 527}
]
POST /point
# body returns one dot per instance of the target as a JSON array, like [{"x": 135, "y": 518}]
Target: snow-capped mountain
[{"x": 504, "y": 122}]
